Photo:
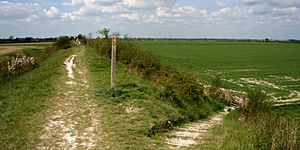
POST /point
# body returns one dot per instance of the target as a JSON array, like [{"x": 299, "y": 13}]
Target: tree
[
  {"x": 116, "y": 34},
  {"x": 82, "y": 38},
  {"x": 11, "y": 37},
  {"x": 126, "y": 36},
  {"x": 90, "y": 35},
  {"x": 267, "y": 40},
  {"x": 104, "y": 32}
]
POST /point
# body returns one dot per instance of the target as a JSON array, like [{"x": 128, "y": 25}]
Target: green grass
[
  {"x": 270, "y": 62},
  {"x": 23, "y": 100},
  {"x": 151, "y": 114},
  {"x": 231, "y": 134},
  {"x": 234, "y": 133},
  {"x": 129, "y": 130}
]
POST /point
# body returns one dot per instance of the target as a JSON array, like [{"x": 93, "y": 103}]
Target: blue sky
[{"x": 276, "y": 19}]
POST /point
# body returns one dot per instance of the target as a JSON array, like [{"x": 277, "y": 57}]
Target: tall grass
[{"x": 275, "y": 130}]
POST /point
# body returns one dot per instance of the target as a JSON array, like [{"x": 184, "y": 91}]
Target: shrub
[
  {"x": 274, "y": 130},
  {"x": 82, "y": 38},
  {"x": 63, "y": 42},
  {"x": 256, "y": 104},
  {"x": 215, "y": 89}
]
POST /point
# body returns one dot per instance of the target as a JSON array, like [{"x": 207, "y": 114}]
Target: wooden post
[{"x": 113, "y": 62}]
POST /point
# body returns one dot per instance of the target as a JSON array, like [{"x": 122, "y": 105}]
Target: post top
[{"x": 114, "y": 40}]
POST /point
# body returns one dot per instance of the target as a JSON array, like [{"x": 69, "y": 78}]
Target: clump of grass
[
  {"x": 275, "y": 131},
  {"x": 214, "y": 90},
  {"x": 256, "y": 104}
]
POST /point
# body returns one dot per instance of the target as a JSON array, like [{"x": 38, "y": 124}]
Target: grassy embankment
[{"x": 138, "y": 110}]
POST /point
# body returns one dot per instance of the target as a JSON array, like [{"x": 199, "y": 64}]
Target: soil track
[
  {"x": 189, "y": 134},
  {"x": 73, "y": 119}
]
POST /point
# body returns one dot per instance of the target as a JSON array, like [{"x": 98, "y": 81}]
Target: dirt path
[
  {"x": 189, "y": 134},
  {"x": 73, "y": 118}
]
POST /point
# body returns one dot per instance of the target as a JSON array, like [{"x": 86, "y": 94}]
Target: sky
[{"x": 255, "y": 19}]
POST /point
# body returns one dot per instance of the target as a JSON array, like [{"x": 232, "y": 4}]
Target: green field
[{"x": 275, "y": 67}]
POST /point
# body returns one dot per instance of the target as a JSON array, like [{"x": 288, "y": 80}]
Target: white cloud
[
  {"x": 73, "y": 3},
  {"x": 69, "y": 16},
  {"x": 10, "y": 10},
  {"x": 180, "y": 12},
  {"x": 288, "y": 10},
  {"x": 274, "y": 3},
  {"x": 148, "y": 4},
  {"x": 127, "y": 17},
  {"x": 52, "y": 12},
  {"x": 162, "y": 15}
]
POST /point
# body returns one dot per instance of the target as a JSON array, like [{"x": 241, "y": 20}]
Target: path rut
[
  {"x": 192, "y": 133},
  {"x": 73, "y": 119}
]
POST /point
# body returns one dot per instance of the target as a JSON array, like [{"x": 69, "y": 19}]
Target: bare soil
[{"x": 192, "y": 133}]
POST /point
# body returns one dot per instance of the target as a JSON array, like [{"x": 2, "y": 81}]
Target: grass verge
[{"x": 277, "y": 130}]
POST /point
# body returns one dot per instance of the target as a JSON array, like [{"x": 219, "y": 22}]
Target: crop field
[
  {"x": 274, "y": 67},
  {"x": 15, "y": 47}
]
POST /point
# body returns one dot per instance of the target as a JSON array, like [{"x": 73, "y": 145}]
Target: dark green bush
[
  {"x": 82, "y": 39},
  {"x": 63, "y": 42}
]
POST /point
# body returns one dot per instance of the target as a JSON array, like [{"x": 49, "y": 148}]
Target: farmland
[
  {"x": 274, "y": 67},
  {"x": 16, "y": 47}
]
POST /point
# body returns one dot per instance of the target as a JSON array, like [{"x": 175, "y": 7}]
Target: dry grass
[
  {"x": 33, "y": 43},
  {"x": 14, "y": 47}
]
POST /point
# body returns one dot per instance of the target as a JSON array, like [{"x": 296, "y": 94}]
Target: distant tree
[
  {"x": 267, "y": 40},
  {"x": 104, "y": 32},
  {"x": 82, "y": 38},
  {"x": 29, "y": 39},
  {"x": 11, "y": 37},
  {"x": 90, "y": 35},
  {"x": 126, "y": 36},
  {"x": 63, "y": 42},
  {"x": 117, "y": 34}
]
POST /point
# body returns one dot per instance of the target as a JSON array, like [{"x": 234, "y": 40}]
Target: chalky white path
[
  {"x": 73, "y": 121},
  {"x": 190, "y": 134}
]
